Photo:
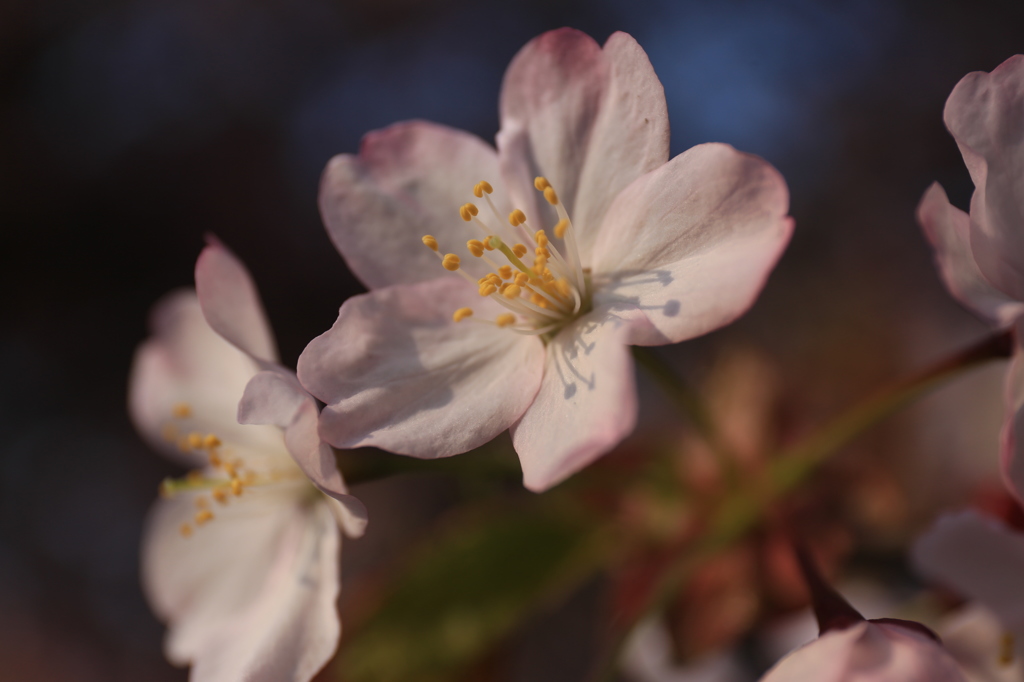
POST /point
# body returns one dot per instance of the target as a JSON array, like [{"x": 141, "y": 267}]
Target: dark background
[{"x": 129, "y": 129}]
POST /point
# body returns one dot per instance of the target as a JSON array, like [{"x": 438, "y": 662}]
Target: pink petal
[
  {"x": 408, "y": 180},
  {"x": 984, "y": 113},
  {"x": 250, "y": 596},
  {"x": 231, "y": 303},
  {"x": 586, "y": 404},
  {"x": 185, "y": 362},
  {"x": 973, "y": 636},
  {"x": 979, "y": 558},
  {"x": 1011, "y": 457},
  {"x": 397, "y": 373},
  {"x": 868, "y": 652},
  {"x": 691, "y": 244},
  {"x": 949, "y": 231},
  {"x": 589, "y": 119}
]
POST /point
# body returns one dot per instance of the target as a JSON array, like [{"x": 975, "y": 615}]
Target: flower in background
[
  {"x": 981, "y": 255},
  {"x": 589, "y": 240},
  {"x": 240, "y": 557}
]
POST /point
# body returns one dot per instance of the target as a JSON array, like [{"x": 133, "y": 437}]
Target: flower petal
[
  {"x": 984, "y": 114},
  {"x": 1011, "y": 445},
  {"x": 949, "y": 231},
  {"x": 979, "y": 558},
  {"x": 586, "y": 403},
  {"x": 397, "y": 373},
  {"x": 408, "y": 180},
  {"x": 868, "y": 652},
  {"x": 231, "y": 304},
  {"x": 186, "y": 363},
  {"x": 589, "y": 119},
  {"x": 973, "y": 636},
  {"x": 250, "y": 596},
  {"x": 691, "y": 244}
]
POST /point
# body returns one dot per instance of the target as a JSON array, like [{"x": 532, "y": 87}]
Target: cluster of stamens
[
  {"x": 540, "y": 297},
  {"x": 221, "y": 488}
]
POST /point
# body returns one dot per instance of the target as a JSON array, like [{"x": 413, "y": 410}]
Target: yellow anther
[
  {"x": 220, "y": 495},
  {"x": 541, "y": 238},
  {"x": 516, "y": 217},
  {"x": 520, "y": 250},
  {"x": 505, "y": 319},
  {"x": 541, "y": 183},
  {"x": 542, "y": 251},
  {"x": 462, "y": 313},
  {"x": 169, "y": 432},
  {"x": 201, "y": 503},
  {"x": 563, "y": 287},
  {"x": 185, "y": 530},
  {"x": 522, "y": 278},
  {"x": 194, "y": 477},
  {"x": 195, "y": 440},
  {"x": 430, "y": 242},
  {"x": 451, "y": 262},
  {"x": 181, "y": 410},
  {"x": 549, "y": 194},
  {"x": 230, "y": 469},
  {"x": 505, "y": 272},
  {"x": 512, "y": 291},
  {"x": 487, "y": 289},
  {"x": 537, "y": 299},
  {"x": 495, "y": 279},
  {"x": 467, "y": 211},
  {"x": 488, "y": 245},
  {"x": 202, "y": 516},
  {"x": 476, "y": 247},
  {"x": 211, "y": 441},
  {"x": 561, "y": 227},
  {"x": 481, "y": 188},
  {"x": 214, "y": 459},
  {"x": 236, "y": 487}
]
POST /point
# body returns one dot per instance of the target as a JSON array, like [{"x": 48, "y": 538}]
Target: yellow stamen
[
  {"x": 505, "y": 272},
  {"x": 169, "y": 432},
  {"x": 512, "y": 291},
  {"x": 476, "y": 247},
  {"x": 520, "y": 250},
  {"x": 481, "y": 188},
  {"x": 487, "y": 289},
  {"x": 462, "y": 313},
  {"x": 194, "y": 477},
  {"x": 185, "y": 530},
  {"x": 451, "y": 262},
  {"x": 181, "y": 410},
  {"x": 549, "y": 194},
  {"x": 202, "y": 516},
  {"x": 220, "y": 495},
  {"x": 488, "y": 245},
  {"x": 522, "y": 278},
  {"x": 496, "y": 279},
  {"x": 430, "y": 242},
  {"x": 236, "y": 487},
  {"x": 516, "y": 217},
  {"x": 467, "y": 211},
  {"x": 210, "y": 442},
  {"x": 195, "y": 440},
  {"x": 541, "y": 238},
  {"x": 541, "y": 183},
  {"x": 215, "y": 460},
  {"x": 561, "y": 227},
  {"x": 505, "y": 320}
]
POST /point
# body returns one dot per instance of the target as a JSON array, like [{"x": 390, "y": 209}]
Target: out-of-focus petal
[
  {"x": 586, "y": 403},
  {"x": 250, "y": 596},
  {"x": 868, "y": 652},
  {"x": 949, "y": 231},
  {"x": 973, "y": 636},
  {"x": 985, "y": 113},
  {"x": 408, "y": 180},
  {"x": 185, "y": 363},
  {"x": 691, "y": 244},
  {"x": 397, "y": 373},
  {"x": 589, "y": 119},
  {"x": 231, "y": 304},
  {"x": 1011, "y": 445},
  {"x": 979, "y": 558}
]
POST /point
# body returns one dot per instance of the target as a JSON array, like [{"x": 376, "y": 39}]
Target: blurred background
[{"x": 131, "y": 128}]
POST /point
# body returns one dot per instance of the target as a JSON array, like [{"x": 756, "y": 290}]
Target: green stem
[{"x": 742, "y": 508}]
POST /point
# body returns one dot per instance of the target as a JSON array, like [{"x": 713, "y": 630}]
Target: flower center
[
  {"x": 227, "y": 475},
  {"x": 541, "y": 297}
]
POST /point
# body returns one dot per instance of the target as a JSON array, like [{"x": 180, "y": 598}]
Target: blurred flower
[
  {"x": 240, "y": 557},
  {"x": 655, "y": 252},
  {"x": 981, "y": 255},
  {"x": 980, "y": 558}
]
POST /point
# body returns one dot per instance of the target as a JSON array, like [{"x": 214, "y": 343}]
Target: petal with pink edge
[
  {"x": 250, "y": 596},
  {"x": 589, "y": 119},
  {"x": 586, "y": 404},
  {"x": 868, "y": 652},
  {"x": 949, "y": 231},
  {"x": 985, "y": 113},
  {"x": 397, "y": 373},
  {"x": 408, "y": 180},
  {"x": 231, "y": 304},
  {"x": 979, "y": 558},
  {"x": 691, "y": 244},
  {"x": 186, "y": 363}
]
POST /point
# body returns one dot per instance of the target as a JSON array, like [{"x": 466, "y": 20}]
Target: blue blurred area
[{"x": 130, "y": 128}]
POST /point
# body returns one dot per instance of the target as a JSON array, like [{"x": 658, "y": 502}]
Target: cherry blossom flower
[
  {"x": 982, "y": 559},
  {"x": 240, "y": 557},
  {"x": 506, "y": 287},
  {"x": 981, "y": 255}
]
